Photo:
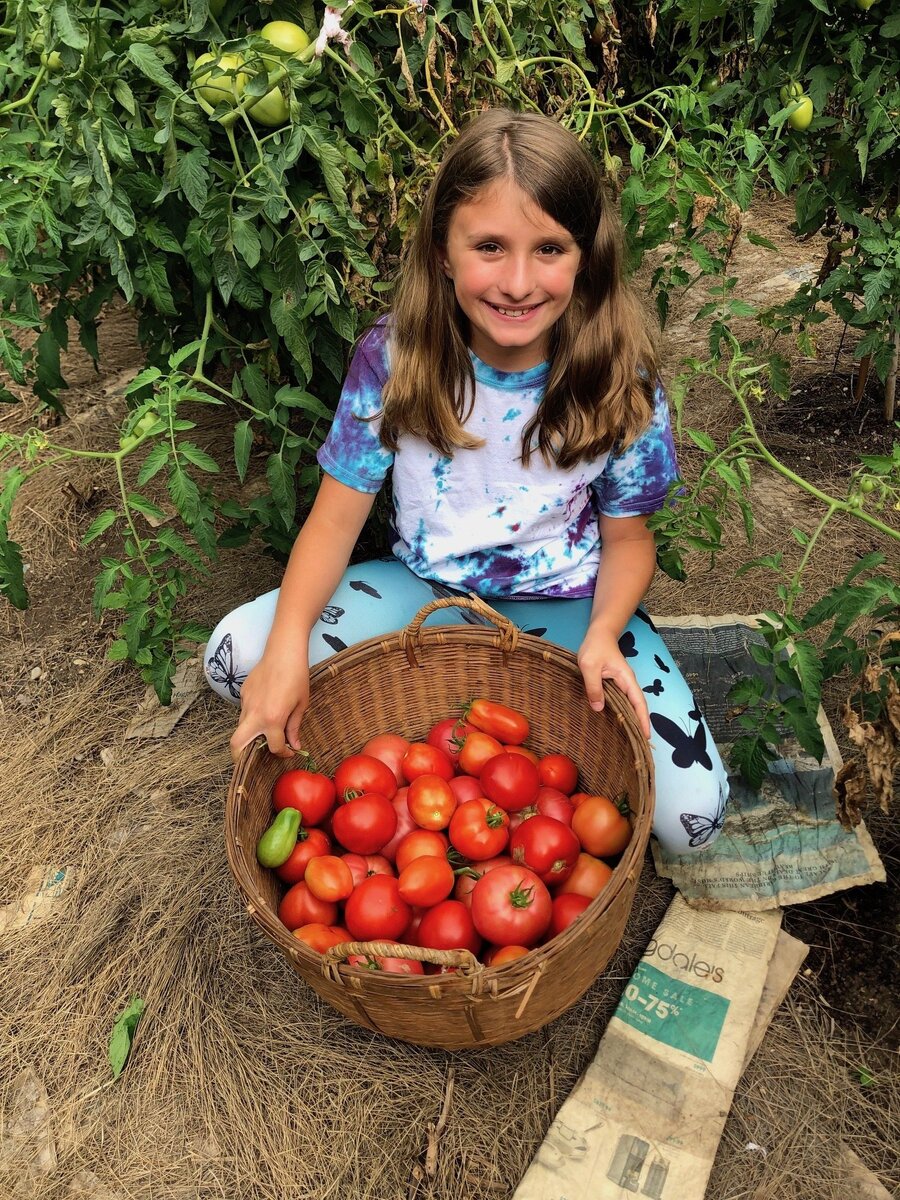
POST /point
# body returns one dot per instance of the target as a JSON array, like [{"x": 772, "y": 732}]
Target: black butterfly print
[
  {"x": 662, "y": 666},
  {"x": 688, "y": 748},
  {"x": 642, "y": 616},
  {"x": 535, "y": 632},
  {"x": 695, "y": 714},
  {"x": 655, "y": 689},
  {"x": 701, "y": 829},
  {"x": 332, "y": 614},
  {"x": 626, "y": 644},
  {"x": 221, "y": 667},
  {"x": 359, "y": 586},
  {"x": 334, "y": 642}
]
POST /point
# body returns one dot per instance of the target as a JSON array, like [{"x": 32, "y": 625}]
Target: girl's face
[{"x": 513, "y": 269}]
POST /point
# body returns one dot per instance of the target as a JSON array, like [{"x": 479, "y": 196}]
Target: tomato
[
  {"x": 589, "y": 878},
  {"x": 365, "y": 824},
  {"x": 363, "y": 773},
  {"x": 422, "y": 759},
  {"x": 600, "y": 827},
  {"x": 510, "y": 781},
  {"x": 310, "y": 792},
  {"x": 709, "y": 85},
  {"x": 524, "y": 751},
  {"x": 547, "y": 847},
  {"x": 479, "y": 829},
  {"x": 566, "y": 908},
  {"x": 477, "y": 749},
  {"x": 801, "y": 117},
  {"x": 421, "y": 843},
  {"x": 431, "y": 802},
  {"x": 376, "y": 910},
  {"x": 865, "y": 5},
  {"x": 271, "y": 109},
  {"x": 552, "y": 803},
  {"x": 867, "y": 485},
  {"x": 790, "y": 91},
  {"x": 426, "y": 881},
  {"x": 392, "y": 966},
  {"x": 389, "y": 748},
  {"x": 405, "y": 824},
  {"x": 465, "y": 883},
  {"x": 578, "y": 798},
  {"x": 286, "y": 36},
  {"x": 322, "y": 937},
  {"x": 299, "y": 907},
  {"x": 410, "y": 935},
  {"x": 449, "y": 926},
  {"x": 502, "y": 723},
  {"x": 310, "y": 843},
  {"x": 510, "y": 906},
  {"x": 221, "y": 81},
  {"x": 498, "y": 955},
  {"x": 558, "y": 771},
  {"x": 328, "y": 878},
  {"x": 448, "y": 735}
]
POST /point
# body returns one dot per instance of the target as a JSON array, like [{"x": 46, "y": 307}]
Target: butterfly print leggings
[{"x": 383, "y": 595}]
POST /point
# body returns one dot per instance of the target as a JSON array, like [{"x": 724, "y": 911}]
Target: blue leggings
[{"x": 378, "y": 597}]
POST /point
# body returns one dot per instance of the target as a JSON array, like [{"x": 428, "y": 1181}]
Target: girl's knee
[
  {"x": 690, "y": 818},
  {"x": 237, "y": 645}
]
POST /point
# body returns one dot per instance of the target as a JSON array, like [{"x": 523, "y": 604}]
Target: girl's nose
[{"x": 516, "y": 281}]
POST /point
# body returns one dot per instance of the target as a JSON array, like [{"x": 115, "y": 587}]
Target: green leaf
[
  {"x": 124, "y": 1028},
  {"x": 280, "y": 478},
  {"x": 148, "y": 62},
  {"x": 12, "y": 572},
  {"x": 291, "y": 326},
  {"x": 246, "y": 241},
  {"x": 69, "y": 30},
  {"x": 118, "y": 651},
  {"x": 154, "y": 462},
  {"x": 192, "y": 177},
  {"x": 891, "y": 27},
  {"x": 198, "y": 457},
  {"x": 145, "y": 506},
  {"x": 750, "y": 757},
  {"x": 107, "y": 518},
  {"x": 573, "y": 34},
  {"x": 806, "y": 660},
  {"x": 243, "y": 443}
]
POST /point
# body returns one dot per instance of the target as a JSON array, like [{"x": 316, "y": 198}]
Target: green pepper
[{"x": 277, "y": 843}]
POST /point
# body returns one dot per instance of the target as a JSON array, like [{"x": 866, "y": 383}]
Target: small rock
[
  {"x": 35, "y": 673},
  {"x": 81, "y": 662},
  {"x": 107, "y": 756},
  {"x": 23, "y": 698}
]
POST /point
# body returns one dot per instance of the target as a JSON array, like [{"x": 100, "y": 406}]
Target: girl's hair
[{"x": 603, "y": 365}]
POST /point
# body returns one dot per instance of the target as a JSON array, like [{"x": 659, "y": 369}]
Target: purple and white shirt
[{"x": 480, "y": 521}]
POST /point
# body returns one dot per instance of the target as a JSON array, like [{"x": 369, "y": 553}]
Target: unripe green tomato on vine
[
  {"x": 865, "y": 5},
  {"x": 790, "y": 91},
  {"x": 802, "y": 116},
  {"x": 867, "y": 486},
  {"x": 216, "y": 6},
  {"x": 710, "y": 85},
  {"x": 52, "y": 61}
]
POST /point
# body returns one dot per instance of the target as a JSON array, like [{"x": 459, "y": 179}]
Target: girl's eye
[
  {"x": 490, "y": 247},
  {"x": 552, "y": 248}
]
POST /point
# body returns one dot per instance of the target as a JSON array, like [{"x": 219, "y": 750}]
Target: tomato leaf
[{"x": 123, "y": 1034}]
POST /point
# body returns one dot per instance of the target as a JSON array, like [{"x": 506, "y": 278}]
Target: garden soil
[{"x": 241, "y": 1083}]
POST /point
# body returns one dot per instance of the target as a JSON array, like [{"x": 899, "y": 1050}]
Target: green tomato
[
  {"x": 225, "y": 81},
  {"x": 867, "y": 486},
  {"x": 710, "y": 85},
  {"x": 790, "y": 91},
  {"x": 146, "y": 423},
  {"x": 802, "y": 115},
  {"x": 52, "y": 61},
  {"x": 216, "y": 6},
  {"x": 271, "y": 110},
  {"x": 128, "y": 442},
  {"x": 865, "y": 5},
  {"x": 286, "y": 36}
]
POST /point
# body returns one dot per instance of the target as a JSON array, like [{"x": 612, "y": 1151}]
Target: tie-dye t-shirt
[{"x": 479, "y": 520}]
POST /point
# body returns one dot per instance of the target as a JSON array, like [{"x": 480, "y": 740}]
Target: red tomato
[
  {"x": 547, "y": 847},
  {"x": 465, "y": 787},
  {"x": 524, "y": 751},
  {"x": 553, "y": 803},
  {"x": 328, "y": 878},
  {"x": 601, "y": 828},
  {"x": 431, "y": 802},
  {"x": 578, "y": 798},
  {"x": 449, "y": 926},
  {"x": 392, "y": 966},
  {"x": 389, "y": 748},
  {"x": 502, "y": 723},
  {"x": 363, "y": 865},
  {"x": 410, "y": 935},
  {"x": 589, "y": 878},
  {"x": 566, "y": 908},
  {"x": 465, "y": 882},
  {"x": 309, "y": 792},
  {"x": 421, "y": 843},
  {"x": 405, "y": 824},
  {"x": 310, "y": 843},
  {"x": 510, "y": 780},
  {"x": 448, "y": 735},
  {"x": 365, "y": 824},
  {"x": 558, "y": 771},
  {"x": 477, "y": 749},
  {"x": 300, "y": 907},
  {"x": 426, "y": 881},
  {"x": 511, "y": 907},
  {"x": 498, "y": 955},
  {"x": 376, "y": 910},
  {"x": 479, "y": 829},
  {"x": 362, "y": 773},
  {"x": 422, "y": 759},
  {"x": 321, "y": 937}
]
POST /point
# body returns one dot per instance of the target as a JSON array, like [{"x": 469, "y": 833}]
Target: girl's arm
[
  {"x": 627, "y": 563},
  {"x": 275, "y": 693}
]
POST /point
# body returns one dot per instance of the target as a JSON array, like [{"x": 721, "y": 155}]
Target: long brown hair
[{"x": 603, "y": 366}]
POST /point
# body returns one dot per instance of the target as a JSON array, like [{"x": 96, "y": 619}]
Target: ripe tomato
[
  {"x": 524, "y": 751},
  {"x": 510, "y": 781},
  {"x": 479, "y": 829},
  {"x": 389, "y": 748},
  {"x": 502, "y": 723},
  {"x": 363, "y": 773},
  {"x": 449, "y": 926},
  {"x": 321, "y": 937},
  {"x": 410, "y": 935},
  {"x": 511, "y": 907},
  {"x": 589, "y": 878},
  {"x": 405, "y": 824},
  {"x": 310, "y": 843},
  {"x": 393, "y": 966},
  {"x": 558, "y": 771},
  {"x": 431, "y": 802},
  {"x": 465, "y": 787},
  {"x": 421, "y": 843},
  {"x": 426, "y": 881},
  {"x": 553, "y": 803},
  {"x": 498, "y": 955},
  {"x": 376, "y": 910},
  {"x": 300, "y": 907},
  {"x": 422, "y": 759},
  {"x": 601, "y": 828},
  {"x": 310, "y": 792},
  {"x": 477, "y": 749},
  {"x": 365, "y": 824},
  {"x": 566, "y": 908},
  {"x": 465, "y": 883},
  {"x": 448, "y": 735},
  {"x": 547, "y": 847},
  {"x": 328, "y": 878},
  {"x": 578, "y": 798}
]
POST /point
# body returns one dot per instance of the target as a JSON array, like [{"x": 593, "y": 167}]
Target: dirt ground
[{"x": 241, "y": 1080}]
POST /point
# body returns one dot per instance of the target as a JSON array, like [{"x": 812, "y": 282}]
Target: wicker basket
[{"x": 404, "y": 683}]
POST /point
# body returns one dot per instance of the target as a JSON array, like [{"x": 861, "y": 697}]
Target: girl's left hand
[{"x": 600, "y": 658}]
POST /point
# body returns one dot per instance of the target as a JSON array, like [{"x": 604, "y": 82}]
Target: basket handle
[
  {"x": 410, "y": 637},
  {"x": 464, "y": 959}
]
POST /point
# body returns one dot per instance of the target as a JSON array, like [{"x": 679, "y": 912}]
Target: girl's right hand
[{"x": 274, "y": 697}]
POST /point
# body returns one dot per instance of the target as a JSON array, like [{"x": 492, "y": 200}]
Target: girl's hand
[
  {"x": 600, "y": 658},
  {"x": 273, "y": 700}
]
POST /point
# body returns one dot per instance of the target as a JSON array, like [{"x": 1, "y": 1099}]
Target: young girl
[{"x": 511, "y": 390}]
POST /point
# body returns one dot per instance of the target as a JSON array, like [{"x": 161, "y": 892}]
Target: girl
[{"x": 511, "y": 392}]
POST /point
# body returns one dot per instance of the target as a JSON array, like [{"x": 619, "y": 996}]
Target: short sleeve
[
  {"x": 635, "y": 481},
  {"x": 352, "y": 452}
]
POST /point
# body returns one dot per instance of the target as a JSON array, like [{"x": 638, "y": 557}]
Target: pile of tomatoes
[{"x": 467, "y": 840}]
